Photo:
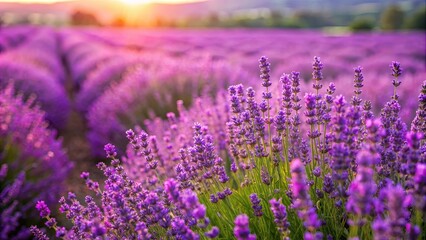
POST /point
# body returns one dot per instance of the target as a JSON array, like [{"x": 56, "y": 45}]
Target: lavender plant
[
  {"x": 338, "y": 171},
  {"x": 33, "y": 165}
]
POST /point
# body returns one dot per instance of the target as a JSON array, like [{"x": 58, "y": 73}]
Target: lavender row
[
  {"x": 263, "y": 165},
  {"x": 287, "y": 49},
  {"x": 12, "y": 37},
  {"x": 132, "y": 85},
  {"x": 33, "y": 165},
  {"x": 153, "y": 89},
  {"x": 35, "y": 68}
]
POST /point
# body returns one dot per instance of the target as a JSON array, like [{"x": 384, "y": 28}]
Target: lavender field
[{"x": 202, "y": 134}]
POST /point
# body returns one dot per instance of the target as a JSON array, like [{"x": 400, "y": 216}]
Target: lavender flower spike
[
  {"x": 241, "y": 229},
  {"x": 38, "y": 234},
  {"x": 110, "y": 151},
  {"x": 317, "y": 73},
  {"x": 362, "y": 189},
  {"x": 280, "y": 217},
  {"x": 257, "y": 208},
  {"x": 213, "y": 233},
  {"x": 301, "y": 199},
  {"x": 396, "y": 70},
  {"x": 264, "y": 66},
  {"x": 43, "y": 209},
  {"x": 396, "y": 202},
  {"x": 420, "y": 187}
]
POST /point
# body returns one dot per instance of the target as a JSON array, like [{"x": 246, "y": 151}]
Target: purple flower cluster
[
  {"x": 241, "y": 229},
  {"x": 148, "y": 91},
  {"x": 33, "y": 164},
  {"x": 393, "y": 218},
  {"x": 129, "y": 209},
  {"x": 362, "y": 190},
  {"x": 280, "y": 217},
  {"x": 302, "y": 201},
  {"x": 257, "y": 208}
]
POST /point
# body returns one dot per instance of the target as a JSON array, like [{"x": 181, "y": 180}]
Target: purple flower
[
  {"x": 264, "y": 66},
  {"x": 182, "y": 231},
  {"x": 362, "y": 189},
  {"x": 311, "y": 115},
  {"x": 171, "y": 187},
  {"x": 358, "y": 84},
  {"x": 280, "y": 121},
  {"x": 380, "y": 229},
  {"x": 301, "y": 199},
  {"x": 295, "y": 83},
  {"x": 110, "y": 150},
  {"x": 227, "y": 191},
  {"x": 51, "y": 222},
  {"x": 61, "y": 232},
  {"x": 413, "y": 232},
  {"x": 396, "y": 203},
  {"x": 235, "y": 99},
  {"x": 43, "y": 209},
  {"x": 199, "y": 212},
  {"x": 420, "y": 176},
  {"x": 142, "y": 230},
  {"x": 33, "y": 164},
  {"x": 340, "y": 152},
  {"x": 286, "y": 93},
  {"x": 317, "y": 67},
  {"x": 396, "y": 71},
  {"x": 280, "y": 216},
  {"x": 419, "y": 122},
  {"x": 213, "y": 233},
  {"x": 241, "y": 229},
  {"x": 38, "y": 234},
  {"x": 266, "y": 177},
  {"x": 255, "y": 204},
  {"x": 221, "y": 195},
  {"x": 328, "y": 184},
  {"x": 420, "y": 187},
  {"x": 358, "y": 80},
  {"x": 234, "y": 167},
  {"x": 213, "y": 198}
]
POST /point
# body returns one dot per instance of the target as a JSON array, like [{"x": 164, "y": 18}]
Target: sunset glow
[{"x": 135, "y": 2}]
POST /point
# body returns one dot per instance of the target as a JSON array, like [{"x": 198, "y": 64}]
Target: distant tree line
[
  {"x": 392, "y": 17},
  {"x": 84, "y": 18}
]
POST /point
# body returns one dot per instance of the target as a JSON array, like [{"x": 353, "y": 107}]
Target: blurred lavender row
[
  {"x": 35, "y": 68},
  {"x": 13, "y": 37},
  {"x": 33, "y": 165},
  {"x": 112, "y": 66}
]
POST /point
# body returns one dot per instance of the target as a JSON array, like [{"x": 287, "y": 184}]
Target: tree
[
  {"x": 312, "y": 19},
  {"x": 362, "y": 24},
  {"x": 392, "y": 18},
  {"x": 84, "y": 18},
  {"x": 417, "y": 20}
]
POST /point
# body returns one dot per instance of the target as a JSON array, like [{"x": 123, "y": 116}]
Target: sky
[{"x": 122, "y": 1}]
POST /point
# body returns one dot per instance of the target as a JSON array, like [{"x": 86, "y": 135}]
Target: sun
[{"x": 135, "y": 2}]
